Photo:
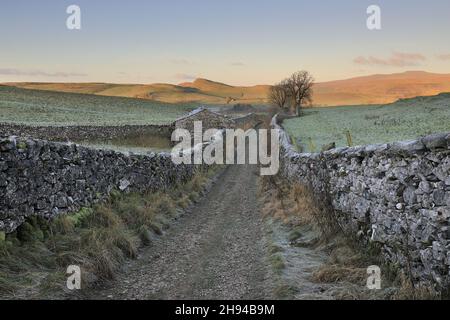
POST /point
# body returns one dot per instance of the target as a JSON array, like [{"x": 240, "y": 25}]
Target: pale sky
[{"x": 240, "y": 42}]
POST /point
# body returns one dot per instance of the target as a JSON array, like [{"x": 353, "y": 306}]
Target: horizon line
[{"x": 217, "y": 81}]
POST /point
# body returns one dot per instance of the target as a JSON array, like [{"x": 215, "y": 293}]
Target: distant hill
[
  {"x": 380, "y": 89},
  {"x": 199, "y": 91},
  {"x": 374, "y": 89}
]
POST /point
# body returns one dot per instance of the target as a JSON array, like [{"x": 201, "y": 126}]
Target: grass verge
[{"x": 345, "y": 270}]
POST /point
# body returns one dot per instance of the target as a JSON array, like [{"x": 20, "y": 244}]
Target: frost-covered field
[
  {"x": 35, "y": 107},
  {"x": 403, "y": 120}
]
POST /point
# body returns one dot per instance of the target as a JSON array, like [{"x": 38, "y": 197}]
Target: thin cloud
[
  {"x": 184, "y": 76},
  {"x": 397, "y": 59},
  {"x": 184, "y": 62},
  {"x": 409, "y": 56},
  {"x": 39, "y": 73},
  {"x": 237, "y": 64},
  {"x": 444, "y": 57}
]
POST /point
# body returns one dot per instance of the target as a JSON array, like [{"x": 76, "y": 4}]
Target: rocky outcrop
[
  {"x": 395, "y": 195},
  {"x": 83, "y": 133},
  {"x": 44, "y": 178}
]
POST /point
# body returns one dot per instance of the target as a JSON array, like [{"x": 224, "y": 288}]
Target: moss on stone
[{"x": 21, "y": 145}]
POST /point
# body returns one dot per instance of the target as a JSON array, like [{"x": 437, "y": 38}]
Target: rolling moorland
[
  {"x": 200, "y": 91},
  {"x": 403, "y": 120},
  {"x": 374, "y": 89}
]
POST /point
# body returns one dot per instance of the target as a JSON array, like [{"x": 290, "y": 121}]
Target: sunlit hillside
[{"x": 374, "y": 89}]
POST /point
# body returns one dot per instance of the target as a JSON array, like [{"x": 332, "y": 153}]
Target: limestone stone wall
[
  {"x": 394, "y": 195},
  {"x": 83, "y": 133},
  {"x": 44, "y": 178}
]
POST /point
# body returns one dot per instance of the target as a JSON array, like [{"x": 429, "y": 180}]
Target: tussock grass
[
  {"x": 33, "y": 260},
  {"x": 273, "y": 249},
  {"x": 294, "y": 205},
  {"x": 333, "y": 273},
  {"x": 277, "y": 262},
  {"x": 348, "y": 263},
  {"x": 409, "y": 292},
  {"x": 285, "y": 292}
]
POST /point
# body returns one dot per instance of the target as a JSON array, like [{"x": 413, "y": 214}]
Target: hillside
[
  {"x": 374, "y": 89},
  {"x": 380, "y": 89},
  {"x": 199, "y": 91}
]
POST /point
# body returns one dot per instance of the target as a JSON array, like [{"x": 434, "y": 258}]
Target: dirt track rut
[{"x": 217, "y": 251}]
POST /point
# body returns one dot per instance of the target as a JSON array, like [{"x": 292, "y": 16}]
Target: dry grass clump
[
  {"x": 284, "y": 204},
  {"x": 285, "y": 292},
  {"x": 333, "y": 273},
  {"x": 408, "y": 291},
  {"x": 295, "y": 205},
  {"x": 277, "y": 262},
  {"x": 33, "y": 260},
  {"x": 348, "y": 263},
  {"x": 345, "y": 263}
]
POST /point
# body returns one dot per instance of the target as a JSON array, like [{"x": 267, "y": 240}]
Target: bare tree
[
  {"x": 300, "y": 90},
  {"x": 278, "y": 95}
]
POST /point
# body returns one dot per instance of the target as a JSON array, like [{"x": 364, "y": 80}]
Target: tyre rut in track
[{"x": 217, "y": 251}]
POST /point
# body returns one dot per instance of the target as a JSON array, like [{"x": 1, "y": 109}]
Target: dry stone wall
[
  {"x": 44, "y": 178},
  {"x": 396, "y": 196},
  {"x": 83, "y": 133}
]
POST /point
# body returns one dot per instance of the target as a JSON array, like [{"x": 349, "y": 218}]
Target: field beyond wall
[{"x": 403, "y": 120}]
